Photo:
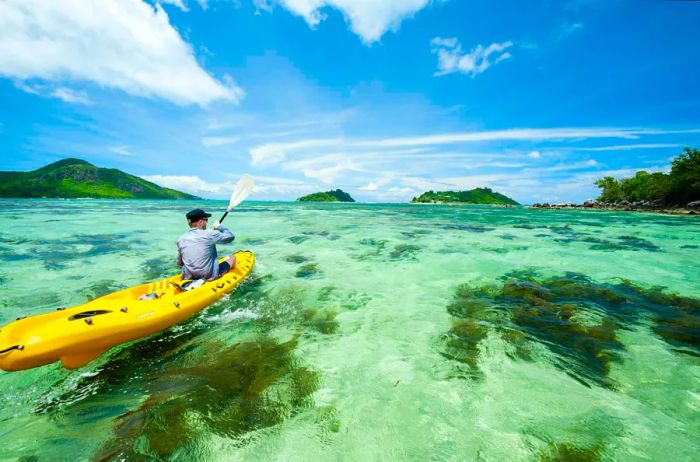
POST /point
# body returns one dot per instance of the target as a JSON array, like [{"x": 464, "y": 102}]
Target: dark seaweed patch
[
  {"x": 322, "y": 321},
  {"x": 253, "y": 240},
  {"x": 572, "y": 316},
  {"x": 404, "y": 252},
  {"x": 158, "y": 268},
  {"x": 533, "y": 309},
  {"x": 230, "y": 391},
  {"x": 508, "y": 237},
  {"x": 690, "y": 246},
  {"x": 565, "y": 452},
  {"x": 470, "y": 228},
  {"x": 296, "y": 259},
  {"x": 298, "y": 239},
  {"x": 100, "y": 288},
  {"x": 308, "y": 271}
]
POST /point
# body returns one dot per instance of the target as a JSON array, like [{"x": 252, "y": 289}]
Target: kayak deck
[{"x": 77, "y": 335}]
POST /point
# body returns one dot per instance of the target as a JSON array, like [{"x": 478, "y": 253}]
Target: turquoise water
[{"x": 368, "y": 332}]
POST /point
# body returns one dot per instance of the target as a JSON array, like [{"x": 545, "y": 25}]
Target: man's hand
[{"x": 216, "y": 225}]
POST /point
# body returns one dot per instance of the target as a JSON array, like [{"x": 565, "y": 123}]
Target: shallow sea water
[{"x": 367, "y": 332}]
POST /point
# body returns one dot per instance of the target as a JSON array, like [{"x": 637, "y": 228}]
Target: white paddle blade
[{"x": 243, "y": 189}]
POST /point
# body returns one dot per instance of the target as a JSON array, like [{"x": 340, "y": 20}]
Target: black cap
[{"x": 197, "y": 214}]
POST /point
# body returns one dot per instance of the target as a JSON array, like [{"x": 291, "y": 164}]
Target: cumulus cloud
[
  {"x": 451, "y": 59},
  {"x": 369, "y": 19},
  {"x": 123, "y": 44}
]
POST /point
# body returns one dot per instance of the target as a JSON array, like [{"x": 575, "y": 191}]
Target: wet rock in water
[
  {"x": 298, "y": 239},
  {"x": 230, "y": 391},
  {"x": 404, "y": 252},
  {"x": 308, "y": 271},
  {"x": 296, "y": 259}
]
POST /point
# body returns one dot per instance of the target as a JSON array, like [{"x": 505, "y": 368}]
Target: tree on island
[
  {"x": 337, "y": 195},
  {"x": 679, "y": 187}
]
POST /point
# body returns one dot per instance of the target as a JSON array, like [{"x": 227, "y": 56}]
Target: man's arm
[{"x": 222, "y": 235}]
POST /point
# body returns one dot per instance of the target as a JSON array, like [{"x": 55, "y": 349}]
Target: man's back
[{"x": 197, "y": 252}]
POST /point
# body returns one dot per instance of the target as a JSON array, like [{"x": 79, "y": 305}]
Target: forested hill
[
  {"x": 337, "y": 195},
  {"x": 78, "y": 178},
  {"x": 474, "y": 196}
]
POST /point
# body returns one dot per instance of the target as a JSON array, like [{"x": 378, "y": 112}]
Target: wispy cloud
[
  {"x": 178, "y": 3},
  {"x": 368, "y": 19},
  {"x": 121, "y": 150},
  {"x": 628, "y": 147},
  {"x": 567, "y": 29},
  {"x": 451, "y": 59},
  {"x": 50, "y": 91},
  {"x": 123, "y": 44},
  {"x": 272, "y": 153},
  {"x": 215, "y": 141},
  {"x": 71, "y": 96}
]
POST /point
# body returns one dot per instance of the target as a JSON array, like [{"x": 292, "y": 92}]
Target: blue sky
[{"x": 384, "y": 99}]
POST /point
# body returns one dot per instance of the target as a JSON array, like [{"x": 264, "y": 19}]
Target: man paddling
[{"x": 196, "y": 249}]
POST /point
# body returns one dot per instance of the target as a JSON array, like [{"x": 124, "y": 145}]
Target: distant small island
[
  {"x": 473, "y": 196},
  {"x": 337, "y": 195},
  {"x": 71, "y": 178}
]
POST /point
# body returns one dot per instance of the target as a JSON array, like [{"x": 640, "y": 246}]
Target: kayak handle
[{"x": 15, "y": 347}]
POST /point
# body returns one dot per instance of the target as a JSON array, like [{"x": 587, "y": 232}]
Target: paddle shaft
[{"x": 222, "y": 218}]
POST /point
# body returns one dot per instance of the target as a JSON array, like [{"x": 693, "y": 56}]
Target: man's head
[{"x": 197, "y": 218}]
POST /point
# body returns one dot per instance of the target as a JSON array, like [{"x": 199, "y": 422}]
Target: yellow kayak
[{"x": 77, "y": 335}]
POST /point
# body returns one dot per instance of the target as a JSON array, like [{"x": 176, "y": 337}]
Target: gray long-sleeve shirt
[{"x": 197, "y": 251}]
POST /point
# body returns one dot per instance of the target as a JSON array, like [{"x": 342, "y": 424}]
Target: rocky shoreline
[{"x": 693, "y": 208}]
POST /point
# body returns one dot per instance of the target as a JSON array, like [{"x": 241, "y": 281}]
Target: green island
[
  {"x": 337, "y": 195},
  {"x": 679, "y": 187},
  {"x": 71, "y": 178},
  {"x": 473, "y": 196}
]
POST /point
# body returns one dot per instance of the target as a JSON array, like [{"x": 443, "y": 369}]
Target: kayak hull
[{"x": 77, "y": 335}]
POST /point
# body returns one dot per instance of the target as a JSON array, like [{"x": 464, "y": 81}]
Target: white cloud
[
  {"x": 121, "y": 150},
  {"x": 369, "y": 19},
  {"x": 534, "y": 154},
  {"x": 123, "y": 44},
  {"x": 451, "y": 59},
  {"x": 627, "y": 147},
  {"x": 272, "y": 153},
  {"x": 190, "y": 184},
  {"x": 71, "y": 96},
  {"x": 49, "y": 91},
  {"x": 178, "y": 3},
  {"x": 214, "y": 141}
]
